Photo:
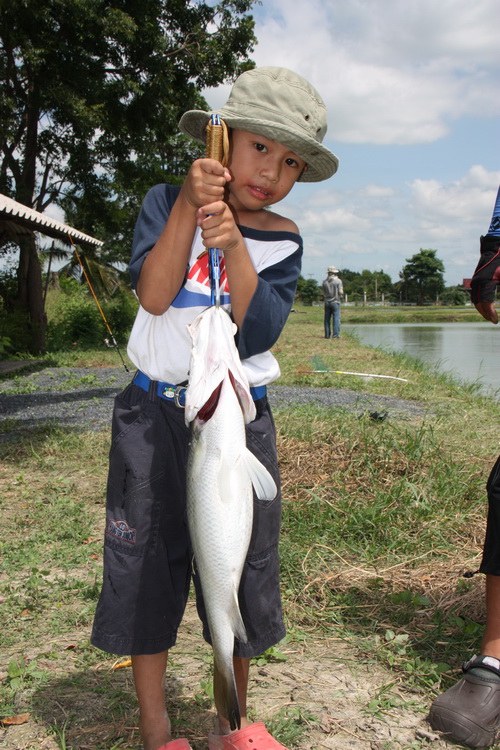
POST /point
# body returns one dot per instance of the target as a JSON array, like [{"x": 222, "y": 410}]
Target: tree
[
  {"x": 371, "y": 283},
  {"x": 455, "y": 295},
  {"x": 421, "y": 279},
  {"x": 308, "y": 290},
  {"x": 90, "y": 97}
]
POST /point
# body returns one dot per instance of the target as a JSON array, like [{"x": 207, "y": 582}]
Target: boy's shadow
[{"x": 97, "y": 708}]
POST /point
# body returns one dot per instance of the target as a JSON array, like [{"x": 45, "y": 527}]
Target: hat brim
[{"x": 321, "y": 162}]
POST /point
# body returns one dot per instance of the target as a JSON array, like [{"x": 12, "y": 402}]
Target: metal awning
[{"x": 15, "y": 219}]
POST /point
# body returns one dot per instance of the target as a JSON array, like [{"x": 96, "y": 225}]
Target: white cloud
[
  {"x": 391, "y": 72},
  {"x": 457, "y": 203},
  {"x": 376, "y": 227},
  {"x": 409, "y": 85}
]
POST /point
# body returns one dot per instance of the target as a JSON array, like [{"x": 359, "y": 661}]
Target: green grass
[{"x": 380, "y": 521}]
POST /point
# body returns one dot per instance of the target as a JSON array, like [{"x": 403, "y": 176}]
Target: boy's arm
[
  {"x": 270, "y": 305},
  {"x": 155, "y": 210},
  {"x": 164, "y": 267},
  {"x": 219, "y": 229}
]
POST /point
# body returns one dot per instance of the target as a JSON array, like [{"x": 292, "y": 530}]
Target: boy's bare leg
[
  {"x": 241, "y": 671},
  {"x": 149, "y": 678},
  {"x": 490, "y": 645}
]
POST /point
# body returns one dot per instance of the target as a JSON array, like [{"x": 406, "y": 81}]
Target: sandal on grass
[
  {"x": 469, "y": 711},
  {"x": 181, "y": 744},
  {"x": 252, "y": 737}
]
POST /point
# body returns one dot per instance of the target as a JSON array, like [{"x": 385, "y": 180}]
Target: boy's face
[{"x": 263, "y": 171}]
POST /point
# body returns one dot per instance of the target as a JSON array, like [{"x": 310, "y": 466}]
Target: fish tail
[
  {"x": 225, "y": 695},
  {"x": 236, "y": 620}
]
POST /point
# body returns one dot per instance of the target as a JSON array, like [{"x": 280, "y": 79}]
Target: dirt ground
[
  {"x": 321, "y": 696},
  {"x": 325, "y": 698}
]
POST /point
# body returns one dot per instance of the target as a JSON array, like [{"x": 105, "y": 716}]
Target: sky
[{"x": 412, "y": 92}]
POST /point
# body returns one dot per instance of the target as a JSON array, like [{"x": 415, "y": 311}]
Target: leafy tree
[
  {"x": 373, "y": 283},
  {"x": 454, "y": 295},
  {"x": 308, "y": 290},
  {"x": 90, "y": 96},
  {"x": 421, "y": 279}
]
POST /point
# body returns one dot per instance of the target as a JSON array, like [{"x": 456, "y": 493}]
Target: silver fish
[{"x": 220, "y": 476}]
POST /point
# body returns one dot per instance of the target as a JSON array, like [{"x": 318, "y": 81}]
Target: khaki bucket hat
[{"x": 280, "y": 105}]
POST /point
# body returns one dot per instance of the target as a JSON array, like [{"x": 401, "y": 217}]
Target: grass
[{"x": 381, "y": 520}]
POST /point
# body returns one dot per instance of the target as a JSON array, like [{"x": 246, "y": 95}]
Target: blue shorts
[
  {"x": 147, "y": 550},
  {"x": 490, "y": 563}
]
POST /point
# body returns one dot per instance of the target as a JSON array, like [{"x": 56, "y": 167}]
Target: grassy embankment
[{"x": 381, "y": 519}]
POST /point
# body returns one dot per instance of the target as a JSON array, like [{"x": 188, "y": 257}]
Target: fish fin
[
  {"x": 263, "y": 483},
  {"x": 242, "y": 390},
  {"x": 226, "y": 697}
]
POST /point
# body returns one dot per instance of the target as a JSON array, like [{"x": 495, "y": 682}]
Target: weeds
[{"x": 380, "y": 521}]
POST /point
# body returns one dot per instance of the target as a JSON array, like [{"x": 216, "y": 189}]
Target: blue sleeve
[
  {"x": 153, "y": 215},
  {"x": 270, "y": 305}
]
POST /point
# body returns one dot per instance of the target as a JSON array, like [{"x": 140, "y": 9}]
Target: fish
[{"x": 221, "y": 476}]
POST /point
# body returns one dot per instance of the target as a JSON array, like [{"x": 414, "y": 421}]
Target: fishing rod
[
  {"x": 321, "y": 368},
  {"x": 97, "y": 302},
  {"x": 217, "y": 147}
]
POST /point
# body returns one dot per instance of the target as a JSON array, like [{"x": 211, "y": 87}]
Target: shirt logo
[
  {"x": 121, "y": 530},
  {"x": 199, "y": 272},
  {"x": 196, "y": 289}
]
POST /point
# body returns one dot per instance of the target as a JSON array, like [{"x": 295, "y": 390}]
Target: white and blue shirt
[{"x": 160, "y": 345}]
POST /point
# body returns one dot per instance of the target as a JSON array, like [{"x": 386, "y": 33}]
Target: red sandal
[
  {"x": 252, "y": 737},
  {"x": 181, "y": 744}
]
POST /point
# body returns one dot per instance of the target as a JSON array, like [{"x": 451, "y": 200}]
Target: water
[{"x": 470, "y": 351}]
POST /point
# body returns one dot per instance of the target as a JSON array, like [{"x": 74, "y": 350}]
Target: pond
[{"x": 471, "y": 351}]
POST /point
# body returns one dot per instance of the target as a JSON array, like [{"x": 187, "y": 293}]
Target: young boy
[{"x": 277, "y": 122}]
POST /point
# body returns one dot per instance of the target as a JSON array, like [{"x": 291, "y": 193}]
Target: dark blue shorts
[
  {"x": 490, "y": 563},
  {"x": 147, "y": 550}
]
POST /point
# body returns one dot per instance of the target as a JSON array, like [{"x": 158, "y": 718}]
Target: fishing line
[
  {"x": 217, "y": 147},
  {"x": 97, "y": 302}
]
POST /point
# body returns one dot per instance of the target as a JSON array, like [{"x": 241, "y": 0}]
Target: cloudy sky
[{"x": 411, "y": 88}]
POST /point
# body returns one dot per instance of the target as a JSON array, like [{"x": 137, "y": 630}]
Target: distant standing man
[{"x": 333, "y": 291}]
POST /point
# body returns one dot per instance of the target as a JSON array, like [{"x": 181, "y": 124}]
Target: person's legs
[
  {"x": 469, "y": 711},
  {"x": 336, "y": 320},
  {"x": 147, "y": 554},
  {"x": 328, "y": 314},
  {"x": 490, "y": 645},
  {"x": 149, "y": 679}
]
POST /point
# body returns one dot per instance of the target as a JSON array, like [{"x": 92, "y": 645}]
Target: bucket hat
[
  {"x": 278, "y": 104},
  {"x": 332, "y": 269}
]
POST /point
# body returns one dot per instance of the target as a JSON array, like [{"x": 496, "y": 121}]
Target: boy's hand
[
  {"x": 486, "y": 277},
  {"x": 218, "y": 227},
  {"x": 205, "y": 182}
]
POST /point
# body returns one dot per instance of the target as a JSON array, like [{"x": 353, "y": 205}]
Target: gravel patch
[{"x": 82, "y": 398}]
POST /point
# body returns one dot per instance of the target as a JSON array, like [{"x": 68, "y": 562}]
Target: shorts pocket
[{"x": 136, "y": 481}]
